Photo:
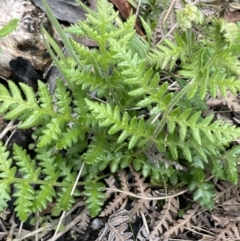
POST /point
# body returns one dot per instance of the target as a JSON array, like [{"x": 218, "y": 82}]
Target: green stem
[
  {"x": 173, "y": 102},
  {"x": 55, "y": 184}
]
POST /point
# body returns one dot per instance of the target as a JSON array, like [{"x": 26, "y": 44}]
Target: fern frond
[
  {"x": 48, "y": 164},
  {"x": 229, "y": 164},
  {"x": 52, "y": 131},
  {"x": 114, "y": 205},
  {"x": 97, "y": 25},
  {"x": 229, "y": 231},
  {"x": 65, "y": 200},
  {"x": 213, "y": 131},
  {"x": 211, "y": 82},
  {"x": 85, "y": 220},
  {"x": 204, "y": 194},
  {"x": 60, "y": 117},
  {"x": 97, "y": 150},
  {"x": 207, "y": 135},
  {"x": 25, "y": 195},
  {"x": 28, "y": 111},
  {"x": 63, "y": 100},
  {"x": 71, "y": 136},
  {"x": 125, "y": 32},
  {"x": 153, "y": 93},
  {"x": 87, "y": 79},
  {"x": 109, "y": 117},
  {"x": 94, "y": 201},
  {"x": 130, "y": 65},
  {"x": 43, "y": 196},
  {"x": 27, "y": 166},
  {"x": 166, "y": 54},
  {"x": 7, "y": 175},
  {"x": 14, "y": 102}
]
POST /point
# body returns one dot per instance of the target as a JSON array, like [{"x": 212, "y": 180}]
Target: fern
[
  {"x": 95, "y": 197},
  {"x": 7, "y": 175},
  {"x": 165, "y": 219}
]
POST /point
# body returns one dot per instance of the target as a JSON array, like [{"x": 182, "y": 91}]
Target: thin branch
[{"x": 146, "y": 198}]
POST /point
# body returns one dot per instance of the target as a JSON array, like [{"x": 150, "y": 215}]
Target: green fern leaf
[
  {"x": 108, "y": 117},
  {"x": 63, "y": 100},
  {"x": 45, "y": 98},
  {"x": 95, "y": 197},
  {"x": 16, "y": 104},
  {"x": 70, "y": 137},
  {"x": 97, "y": 150},
  {"x": 65, "y": 199},
  {"x": 86, "y": 78},
  {"x": 166, "y": 54},
  {"x": 27, "y": 166},
  {"x": 27, "y": 110},
  {"x": 231, "y": 170},
  {"x": 44, "y": 195},
  {"x": 130, "y": 64},
  {"x": 223, "y": 82},
  {"x": 7, "y": 176},
  {"x": 25, "y": 195},
  {"x": 205, "y": 195},
  {"x": 137, "y": 165},
  {"x": 47, "y": 162},
  {"x": 4, "y": 194},
  {"x": 5, "y": 163},
  {"x": 52, "y": 132},
  {"x": 217, "y": 166}
]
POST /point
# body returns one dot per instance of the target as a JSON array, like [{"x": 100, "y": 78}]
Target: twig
[
  {"x": 9, "y": 138},
  {"x": 145, "y": 198},
  {"x": 13, "y": 226},
  {"x": 168, "y": 11},
  {"x": 55, "y": 236},
  {"x": 10, "y": 126}
]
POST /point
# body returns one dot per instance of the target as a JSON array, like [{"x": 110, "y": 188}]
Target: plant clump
[{"x": 116, "y": 110}]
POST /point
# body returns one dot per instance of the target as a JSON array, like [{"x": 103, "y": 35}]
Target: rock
[
  {"x": 64, "y": 10},
  {"x": 26, "y": 41}
]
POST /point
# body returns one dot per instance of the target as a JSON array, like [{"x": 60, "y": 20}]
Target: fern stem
[
  {"x": 174, "y": 101},
  {"x": 115, "y": 98},
  {"x": 42, "y": 182}
]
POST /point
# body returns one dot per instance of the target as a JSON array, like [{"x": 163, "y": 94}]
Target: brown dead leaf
[
  {"x": 126, "y": 9},
  {"x": 123, "y": 6},
  {"x": 231, "y": 16}
]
